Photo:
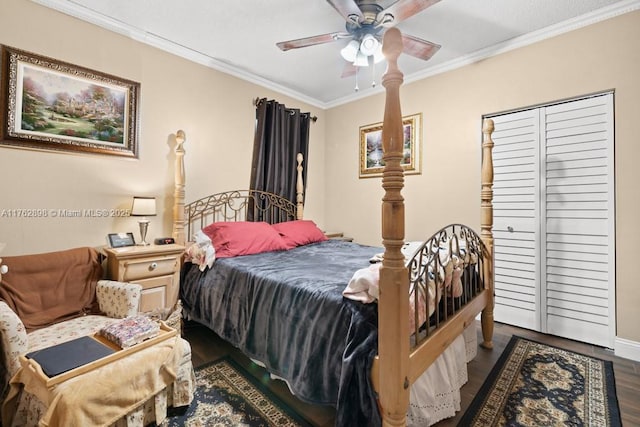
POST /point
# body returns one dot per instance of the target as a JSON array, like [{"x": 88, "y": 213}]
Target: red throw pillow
[
  {"x": 243, "y": 238},
  {"x": 299, "y": 232}
]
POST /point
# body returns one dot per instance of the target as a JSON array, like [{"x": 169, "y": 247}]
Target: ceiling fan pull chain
[
  {"x": 357, "y": 88},
  {"x": 372, "y": 64}
]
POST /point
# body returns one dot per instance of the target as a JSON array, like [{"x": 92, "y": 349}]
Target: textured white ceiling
[{"x": 240, "y": 37}]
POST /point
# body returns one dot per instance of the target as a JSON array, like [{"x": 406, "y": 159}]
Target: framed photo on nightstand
[{"x": 120, "y": 240}]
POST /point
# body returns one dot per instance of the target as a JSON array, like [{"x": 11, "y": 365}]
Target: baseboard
[{"x": 627, "y": 349}]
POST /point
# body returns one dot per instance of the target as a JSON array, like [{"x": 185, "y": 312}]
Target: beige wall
[
  {"x": 600, "y": 57},
  {"x": 214, "y": 109}
]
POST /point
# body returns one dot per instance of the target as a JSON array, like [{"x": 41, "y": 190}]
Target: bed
[{"x": 357, "y": 342}]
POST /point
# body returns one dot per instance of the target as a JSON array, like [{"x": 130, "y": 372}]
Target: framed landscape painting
[
  {"x": 371, "y": 163},
  {"x": 53, "y": 105}
]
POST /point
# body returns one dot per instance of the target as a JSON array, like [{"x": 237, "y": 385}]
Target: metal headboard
[{"x": 238, "y": 205}]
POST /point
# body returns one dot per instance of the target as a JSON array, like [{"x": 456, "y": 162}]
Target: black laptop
[{"x": 65, "y": 356}]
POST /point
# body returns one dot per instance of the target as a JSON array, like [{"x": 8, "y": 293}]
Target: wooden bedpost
[
  {"x": 299, "y": 188},
  {"x": 178, "y": 195},
  {"x": 393, "y": 305},
  {"x": 486, "y": 225}
]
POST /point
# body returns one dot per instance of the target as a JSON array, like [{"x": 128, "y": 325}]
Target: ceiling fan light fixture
[
  {"x": 366, "y": 22},
  {"x": 378, "y": 56},
  {"x": 369, "y": 44},
  {"x": 361, "y": 60},
  {"x": 350, "y": 51}
]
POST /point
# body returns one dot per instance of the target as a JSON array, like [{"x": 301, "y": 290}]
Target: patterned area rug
[
  {"x": 535, "y": 384},
  {"x": 227, "y": 395}
]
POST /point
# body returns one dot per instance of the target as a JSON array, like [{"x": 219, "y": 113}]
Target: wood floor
[{"x": 207, "y": 346}]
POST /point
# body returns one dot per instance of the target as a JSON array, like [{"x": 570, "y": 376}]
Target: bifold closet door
[
  {"x": 578, "y": 221},
  {"x": 554, "y": 221},
  {"x": 516, "y": 218}
]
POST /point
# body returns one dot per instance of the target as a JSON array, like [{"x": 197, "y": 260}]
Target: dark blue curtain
[{"x": 281, "y": 133}]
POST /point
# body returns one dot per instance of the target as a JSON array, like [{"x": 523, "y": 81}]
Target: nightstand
[
  {"x": 155, "y": 267},
  {"x": 338, "y": 235}
]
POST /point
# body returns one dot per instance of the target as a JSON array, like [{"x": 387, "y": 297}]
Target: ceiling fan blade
[
  {"x": 310, "y": 41},
  {"x": 349, "y": 70},
  {"x": 348, "y": 9},
  {"x": 401, "y": 10},
  {"x": 419, "y": 48}
]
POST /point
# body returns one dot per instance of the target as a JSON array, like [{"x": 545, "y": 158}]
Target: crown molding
[
  {"x": 585, "y": 20},
  {"x": 83, "y": 13},
  {"x": 534, "y": 37},
  {"x": 71, "y": 8}
]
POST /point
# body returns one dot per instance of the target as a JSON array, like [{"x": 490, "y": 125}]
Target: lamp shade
[
  {"x": 143, "y": 206},
  {"x": 350, "y": 51},
  {"x": 378, "y": 55},
  {"x": 369, "y": 45},
  {"x": 361, "y": 60}
]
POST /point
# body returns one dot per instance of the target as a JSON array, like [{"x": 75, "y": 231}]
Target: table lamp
[{"x": 144, "y": 207}]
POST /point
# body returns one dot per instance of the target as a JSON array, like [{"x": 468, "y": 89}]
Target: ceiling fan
[{"x": 366, "y": 22}]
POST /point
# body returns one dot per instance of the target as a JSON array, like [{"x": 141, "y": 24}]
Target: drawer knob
[{"x": 153, "y": 266}]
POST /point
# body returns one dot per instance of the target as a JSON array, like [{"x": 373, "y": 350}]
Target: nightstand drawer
[
  {"x": 338, "y": 235},
  {"x": 148, "y": 267},
  {"x": 152, "y": 298},
  {"x": 155, "y": 282}
]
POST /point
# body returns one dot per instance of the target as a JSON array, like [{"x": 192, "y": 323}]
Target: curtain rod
[{"x": 256, "y": 101}]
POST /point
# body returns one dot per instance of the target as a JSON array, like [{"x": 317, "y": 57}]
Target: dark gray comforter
[{"x": 286, "y": 310}]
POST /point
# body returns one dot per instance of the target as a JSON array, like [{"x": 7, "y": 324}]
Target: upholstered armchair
[
  {"x": 46, "y": 299},
  {"x": 116, "y": 299}
]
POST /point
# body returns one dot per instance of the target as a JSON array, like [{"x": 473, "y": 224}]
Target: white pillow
[{"x": 202, "y": 251}]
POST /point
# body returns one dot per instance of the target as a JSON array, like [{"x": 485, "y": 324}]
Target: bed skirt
[{"x": 436, "y": 393}]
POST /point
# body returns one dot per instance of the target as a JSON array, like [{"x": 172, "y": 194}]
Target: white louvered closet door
[
  {"x": 516, "y": 218},
  {"x": 555, "y": 254}
]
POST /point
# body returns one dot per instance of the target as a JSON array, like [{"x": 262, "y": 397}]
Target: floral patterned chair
[{"x": 46, "y": 299}]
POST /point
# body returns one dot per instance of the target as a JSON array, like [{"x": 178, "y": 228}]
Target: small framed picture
[
  {"x": 120, "y": 240},
  {"x": 371, "y": 151}
]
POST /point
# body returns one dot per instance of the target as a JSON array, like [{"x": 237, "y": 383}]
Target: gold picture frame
[
  {"x": 371, "y": 163},
  {"x": 56, "y": 106}
]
